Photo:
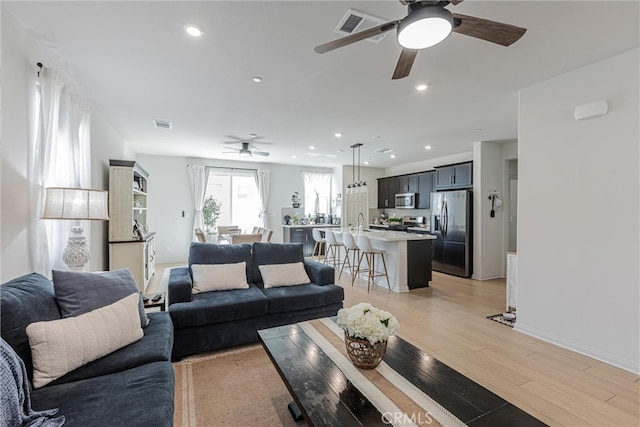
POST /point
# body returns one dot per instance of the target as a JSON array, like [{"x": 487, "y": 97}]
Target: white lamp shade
[
  {"x": 425, "y": 27},
  {"x": 75, "y": 203}
]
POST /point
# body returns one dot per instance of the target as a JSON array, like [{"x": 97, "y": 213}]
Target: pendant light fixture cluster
[{"x": 355, "y": 183}]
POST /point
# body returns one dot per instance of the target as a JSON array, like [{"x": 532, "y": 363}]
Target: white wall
[
  {"x": 578, "y": 230},
  {"x": 488, "y": 232},
  {"x": 20, "y": 52},
  {"x": 170, "y": 194},
  {"x": 429, "y": 164}
]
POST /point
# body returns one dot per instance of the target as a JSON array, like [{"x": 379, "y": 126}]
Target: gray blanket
[{"x": 15, "y": 400}]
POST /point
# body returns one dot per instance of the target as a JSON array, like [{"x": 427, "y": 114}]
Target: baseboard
[{"x": 607, "y": 358}]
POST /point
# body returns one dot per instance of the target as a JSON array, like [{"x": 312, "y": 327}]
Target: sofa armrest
[
  {"x": 179, "y": 285},
  {"x": 320, "y": 274}
]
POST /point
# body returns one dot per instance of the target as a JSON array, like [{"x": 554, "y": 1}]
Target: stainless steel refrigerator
[{"x": 451, "y": 223}]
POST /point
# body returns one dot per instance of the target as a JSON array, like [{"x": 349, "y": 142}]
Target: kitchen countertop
[
  {"x": 408, "y": 228},
  {"x": 392, "y": 236},
  {"x": 311, "y": 225}
]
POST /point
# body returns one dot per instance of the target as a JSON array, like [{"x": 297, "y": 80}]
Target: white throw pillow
[
  {"x": 219, "y": 277},
  {"x": 60, "y": 346},
  {"x": 275, "y": 275}
]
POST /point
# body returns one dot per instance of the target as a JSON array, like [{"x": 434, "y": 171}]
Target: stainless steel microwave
[{"x": 406, "y": 201}]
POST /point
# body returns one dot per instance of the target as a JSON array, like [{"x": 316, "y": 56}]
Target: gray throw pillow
[{"x": 79, "y": 292}]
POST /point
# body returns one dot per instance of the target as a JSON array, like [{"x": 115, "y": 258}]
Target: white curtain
[
  {"x": 60, "y": 156},
  {"x": 198, "y": 183},
  {"x": 262, "y": 183},
  {"x": 320, "y": 182}
]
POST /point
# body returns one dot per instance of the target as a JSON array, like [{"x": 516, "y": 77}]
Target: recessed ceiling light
[
  {"x": 293, "y": 156},
  {"x": 393, "y": 156},
  {"x": 427, "y": 147},
  {"x": 194, "y": 30},
  {"x": 312, "y": 147},
  {"x": 375, "y": 137},
  {"x": 366, "y": 162},
  {"x": 338, "y": 134},
  {"x": 421, "y": 86},
  {"x": 257, "y": 79},
  {"x": 253, "y": 135},
  {"x": 340, "y": 151}
]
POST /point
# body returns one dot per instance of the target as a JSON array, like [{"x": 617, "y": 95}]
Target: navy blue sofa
[
  {"x": 133, "y": 386},
  {"x": 218, "y": 319}
]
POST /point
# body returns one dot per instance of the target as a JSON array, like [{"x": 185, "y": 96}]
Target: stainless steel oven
[{"x": 406, "y": 201}]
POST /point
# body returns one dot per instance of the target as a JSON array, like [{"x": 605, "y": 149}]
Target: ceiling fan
[
  {"x": 247, "y": 149},
  {"x": 427, "y": 24}
]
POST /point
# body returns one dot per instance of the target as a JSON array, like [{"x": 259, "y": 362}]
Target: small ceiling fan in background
[
  {"x": 247, "y": 148},
  {"x": 427, "y": 24}
]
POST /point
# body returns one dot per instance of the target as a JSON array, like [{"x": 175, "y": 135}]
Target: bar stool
[
  {"x": 333, "y": 248},
  {"x": 364, "y": 244},
  {"x": 321, "y": 243},
  {"x": 350, "y": 246}
]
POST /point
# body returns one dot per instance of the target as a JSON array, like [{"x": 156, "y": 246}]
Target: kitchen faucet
[{"x": 360, "y": 215}]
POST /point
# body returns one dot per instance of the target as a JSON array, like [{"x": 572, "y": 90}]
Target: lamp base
[{"x": 76, "y": 254}]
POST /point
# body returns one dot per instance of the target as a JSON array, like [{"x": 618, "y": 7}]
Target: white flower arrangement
[{"x": 367, "y": 322}]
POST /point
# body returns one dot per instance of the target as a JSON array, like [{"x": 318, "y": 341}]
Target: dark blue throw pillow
[{"x": 79, "y": 292}]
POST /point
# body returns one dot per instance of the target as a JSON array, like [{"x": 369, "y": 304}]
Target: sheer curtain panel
[
  {"x": 198, "y": 182},
  {"x": 262, "y": 183},
  {"x": 320, "y": 182}
]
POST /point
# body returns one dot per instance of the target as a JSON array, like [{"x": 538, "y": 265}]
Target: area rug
[
  {"x": 240, "y": 387},
  {"x": 501, "y": 319}
]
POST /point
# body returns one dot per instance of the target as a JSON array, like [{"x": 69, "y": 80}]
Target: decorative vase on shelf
[{"x": 366, "y": 331}]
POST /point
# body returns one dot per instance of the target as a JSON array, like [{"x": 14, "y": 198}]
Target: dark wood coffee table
[{"x": 325, "y": 396}]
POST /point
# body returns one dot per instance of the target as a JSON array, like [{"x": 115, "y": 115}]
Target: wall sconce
[{"x": 75, "y": 204}]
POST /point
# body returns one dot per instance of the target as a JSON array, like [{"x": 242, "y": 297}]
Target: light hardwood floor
[{"x": 448, "y": 321}]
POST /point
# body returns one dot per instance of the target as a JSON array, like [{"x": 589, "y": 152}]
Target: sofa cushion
[
  {"x": 25, "y": 300},
  {"x": 60, "y": 346},
  {"x": 302, "y": 297},
  {"x": 80, "y": 292},
  {"x": 208, "y": 253},
  {"x": 274, "y": 253},
  {"x": 142, "y": 396},
  {"x": 155, "y": 346},
  {"x": 219, "y": 277},
  {"x": 275, "y": 275},
  {"x": 222, "y": 306}
]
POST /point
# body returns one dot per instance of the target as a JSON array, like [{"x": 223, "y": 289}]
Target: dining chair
[
  {"x": 367, "y": 251},
  {"x": 202, "y": 238},
  {"x": 266, "y": 235}
]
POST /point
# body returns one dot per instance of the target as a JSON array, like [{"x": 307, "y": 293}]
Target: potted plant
[
  {"x": 211, "y": 213},
  {"x": 394, "y": 220},
  {"x": 366, "y": 331}
]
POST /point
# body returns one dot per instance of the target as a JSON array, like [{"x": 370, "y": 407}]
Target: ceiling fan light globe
[{"x": 425, "y": 27}]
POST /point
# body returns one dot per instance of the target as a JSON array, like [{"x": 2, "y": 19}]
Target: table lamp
[{"x": 75, "y": 204}]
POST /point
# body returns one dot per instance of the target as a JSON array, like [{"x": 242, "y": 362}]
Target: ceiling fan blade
[
  {"x": 356, "y": 37},
  {"x": 260, "y": 153},
  {"x": 231, "y": 148},
  {"x": 405, "y": 62},
  {"x": 491, "y": 31},
  {"x": 454, "y": 2}
]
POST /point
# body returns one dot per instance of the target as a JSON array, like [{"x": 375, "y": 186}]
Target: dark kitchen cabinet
[
  {"x": 394, "y": 188},
  {"x": 383, "y": 193},
  {"x": 408, "y": 183},
  {"x": 426, "y": 186},
  {"x": 302, "y": 235},
  {"x": 454, "y": 176}
]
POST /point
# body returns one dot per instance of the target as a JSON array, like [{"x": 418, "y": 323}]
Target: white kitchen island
[{"x": 407, "y": 255}]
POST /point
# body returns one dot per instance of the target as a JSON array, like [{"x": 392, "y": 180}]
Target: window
[
  {"x": 317, "y": 192},
  {"x": 237, "y": 193}
]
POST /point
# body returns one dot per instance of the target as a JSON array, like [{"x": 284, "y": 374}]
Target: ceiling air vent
[
  {"x": 354, "y": 21},
  {"x": 384, "y": 150},
  {"x": 162, "y": 124}
]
